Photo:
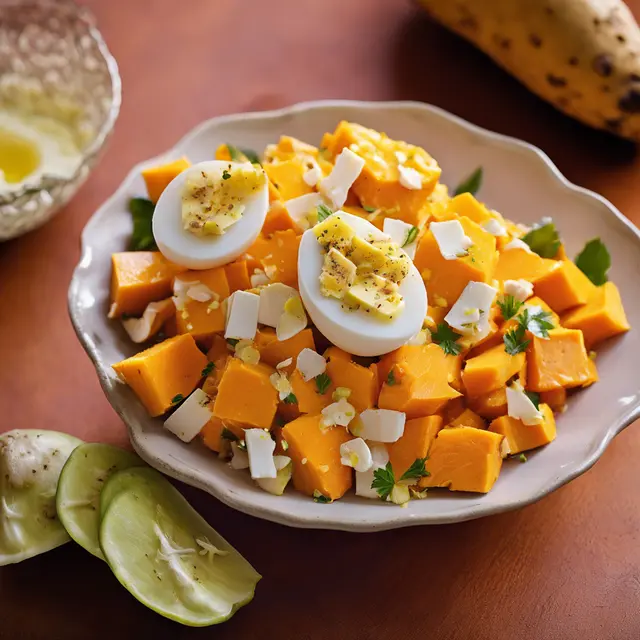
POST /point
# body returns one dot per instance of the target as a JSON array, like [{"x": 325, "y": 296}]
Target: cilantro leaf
[
  {"x": 412, "y": 234},
  {"x": 369, "y": 209},
  {"x": 471, "y": 184},
  {"x": 226, "y": 175},
  {"x": 594, "y": 261},
  {"x": 383, "y": 481},
  {"x": 322, "y": 383},
  {"x": 539, "y": 322},
  {"x": 416, "y": 470},
  {"x": 291, "y": 399},
  {"x": 391, "y": 378},
  {"x": 446, "y": 337},
  {"x": 514, "y": 340},
  {"x": 241, "y": 155},
  {"x": 227, "y": 434},
  {"x": 141, "y": 211},
  {"x": 321, "y": 498},
  {"x": 509, "y": 306},
  {"x": 544, "y": 240},
  {"x": 323, "y": 212},
  {"x": 534, "y": 397},
  {"x": 177, "y": 398},
  {"x": 208, "y": 369}
]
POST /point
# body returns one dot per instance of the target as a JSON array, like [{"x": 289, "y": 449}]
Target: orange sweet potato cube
[
  {"x": 238, "y": 277},
  {"x": 278, "y": 252},
  {"x": 246, "y": 395},
  {"x": 163, "y": 372},
  {"x": 363, "y": 381},
  {"x": 446, "y": 279},
  {"x": 522, "y": 437},
  {"x": 468, "y": 418},
  {"x": 490, "y": 405},
  {"x": 414, "y": 443},
  {"x": 157, "y": 178},
  {"x": 200, "y": 319},
  {"x": 287, "y": 177},
  {"x": 274, "y": 351},
  {"x": 560, "y": 361},
  {"x": 516, "y": 264},
  {"x": 138, "y": 278},
  {"x": 278, "y": 219},
  {"x": 315, "y": 452},
  {"x": 491, "y": 370},
  {"x": 564, "y": 286},
  {"x": 464, "y": 459},
  {"x": 600, "y": 318}
]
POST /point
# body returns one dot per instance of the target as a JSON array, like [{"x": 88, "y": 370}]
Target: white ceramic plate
[{"x": 519, "y": 181}]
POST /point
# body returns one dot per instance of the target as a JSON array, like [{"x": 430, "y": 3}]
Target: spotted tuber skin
[{"x": 582, "y": 56}]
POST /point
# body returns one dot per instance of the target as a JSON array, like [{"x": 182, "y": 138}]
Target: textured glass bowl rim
[{"x": 47, "y": 182}]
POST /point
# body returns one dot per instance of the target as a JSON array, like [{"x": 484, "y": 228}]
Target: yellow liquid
[{"x": 19, "y": 157}]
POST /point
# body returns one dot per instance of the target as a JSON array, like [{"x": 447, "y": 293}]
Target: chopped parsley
[
  {"x": 323, "y": 212},
  {"x": 177, "y": 398},
  {"x": 416, "y": 470},
  {"x": 291, "y": 399},
  {"x": 471, "y": 184},
  {"x": 509, "y": 306},
  {"x": 238, "y": 154},
  {"x": 323, "y": 381},
  {"x": 538, "y": 323},
  {"x": 232, "y": 341},
  {"x": 208, "y": 369},
  {"x": 544, "y": 240},
  {"x": 594, "y": 261},
  {"x": 514, "y": 340},
  {"x": 412, "y": 234},
  {"x": 225, "y": 175},
  {"x": 383, "y": 481},
  {"x": 141, "y": 210},
  {"x": 391, "y": 377},
  {"x": 369, "y": 209},
  {"x": 534, "y": 397},
  {"x": 227, "y": 434},
  {"x": 445, "y": 337},
  {"x": 321, "y": 498}
]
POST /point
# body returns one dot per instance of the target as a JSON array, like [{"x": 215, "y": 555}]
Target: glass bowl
[{"x": 54, "y": 63}]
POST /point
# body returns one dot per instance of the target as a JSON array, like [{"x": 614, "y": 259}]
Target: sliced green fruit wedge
[
  {"x": 30, "y": 464},
  {"x": 168, "y": 557},
  {"x": 79, "y": 488},
  {"x": 122, "y": 480}
]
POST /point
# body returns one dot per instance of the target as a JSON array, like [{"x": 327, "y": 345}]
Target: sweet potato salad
[{"x": 336, "y": 317}]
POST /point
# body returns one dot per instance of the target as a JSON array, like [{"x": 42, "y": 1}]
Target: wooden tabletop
[{"x": 567, "y": 567}]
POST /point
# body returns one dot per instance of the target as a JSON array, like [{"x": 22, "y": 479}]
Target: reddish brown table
[{"x": 567, "y": 567}]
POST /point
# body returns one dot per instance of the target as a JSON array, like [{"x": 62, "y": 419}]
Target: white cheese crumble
[{"x": 451, "y": 239}]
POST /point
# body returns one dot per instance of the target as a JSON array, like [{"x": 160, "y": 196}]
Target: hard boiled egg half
[
  {"x": 211, "y": 213},
  {"x": 360, "y": 289}
]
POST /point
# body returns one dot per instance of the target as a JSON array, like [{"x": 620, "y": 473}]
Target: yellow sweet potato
[
  {"x": 157, "y": 178},
  {"x": 522, "y": 437},
  {"x": 580, "y": 55}
]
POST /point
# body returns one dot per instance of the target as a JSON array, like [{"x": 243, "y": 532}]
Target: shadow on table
[{"x": 433, "y": 65}]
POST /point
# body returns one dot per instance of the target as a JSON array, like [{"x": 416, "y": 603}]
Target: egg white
[
  {"x": 196, "y": 252},
  {"x": 358, "y": 332}
]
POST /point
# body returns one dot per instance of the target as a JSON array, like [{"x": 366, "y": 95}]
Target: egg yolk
[{"x": 211, "y": 202}]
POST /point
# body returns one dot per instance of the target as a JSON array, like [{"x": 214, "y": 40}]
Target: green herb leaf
[
  {"x": 234, "y": 153},
  {"x": 543, "y": 240},
  {"x": 322, "y": 383},
  {"x": 471, "y": 185},
  {"x": 369, "y": 209},
  {"x": 412, "y": 234},
  {"x": 539, "y": 323},
  {"x": 251, "y": 155},
  {"x": 237, "y": 154},
  {"x": 509, "y": 306},
  {"x": 176, "y": 399},
  {"x": 522, "y": 457},
  {"x": 446, "y": 337},
  {"x": 416, "y": 470},
  {"x": 534, "y": 397},
  {"x": 594, "y": 261},
  {"x": 227, "y": 434},
  {"x": 291, "y": 399},
  {"x": 141, "y": 211},
  {"x": 323, "y": 212},
  {"x": 320, "y": 497},
  {"x": 391, "y": 377},
  {"x": 514, "y": 341},
  {"x": 383, "y": 481},
  {"x": 225, "y": 175},
  {"x": 242, "y": 445},
  {"x": 232, "y": 341},
  {"x": 208, "y": 369}
]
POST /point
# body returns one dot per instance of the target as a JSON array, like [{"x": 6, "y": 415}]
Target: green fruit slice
[
  {"x": 79, "y": 488},
  {"x": 122, "y": 479},
  {"x": 168, "y": 557},
  {"x": 30, "y": 464}
]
